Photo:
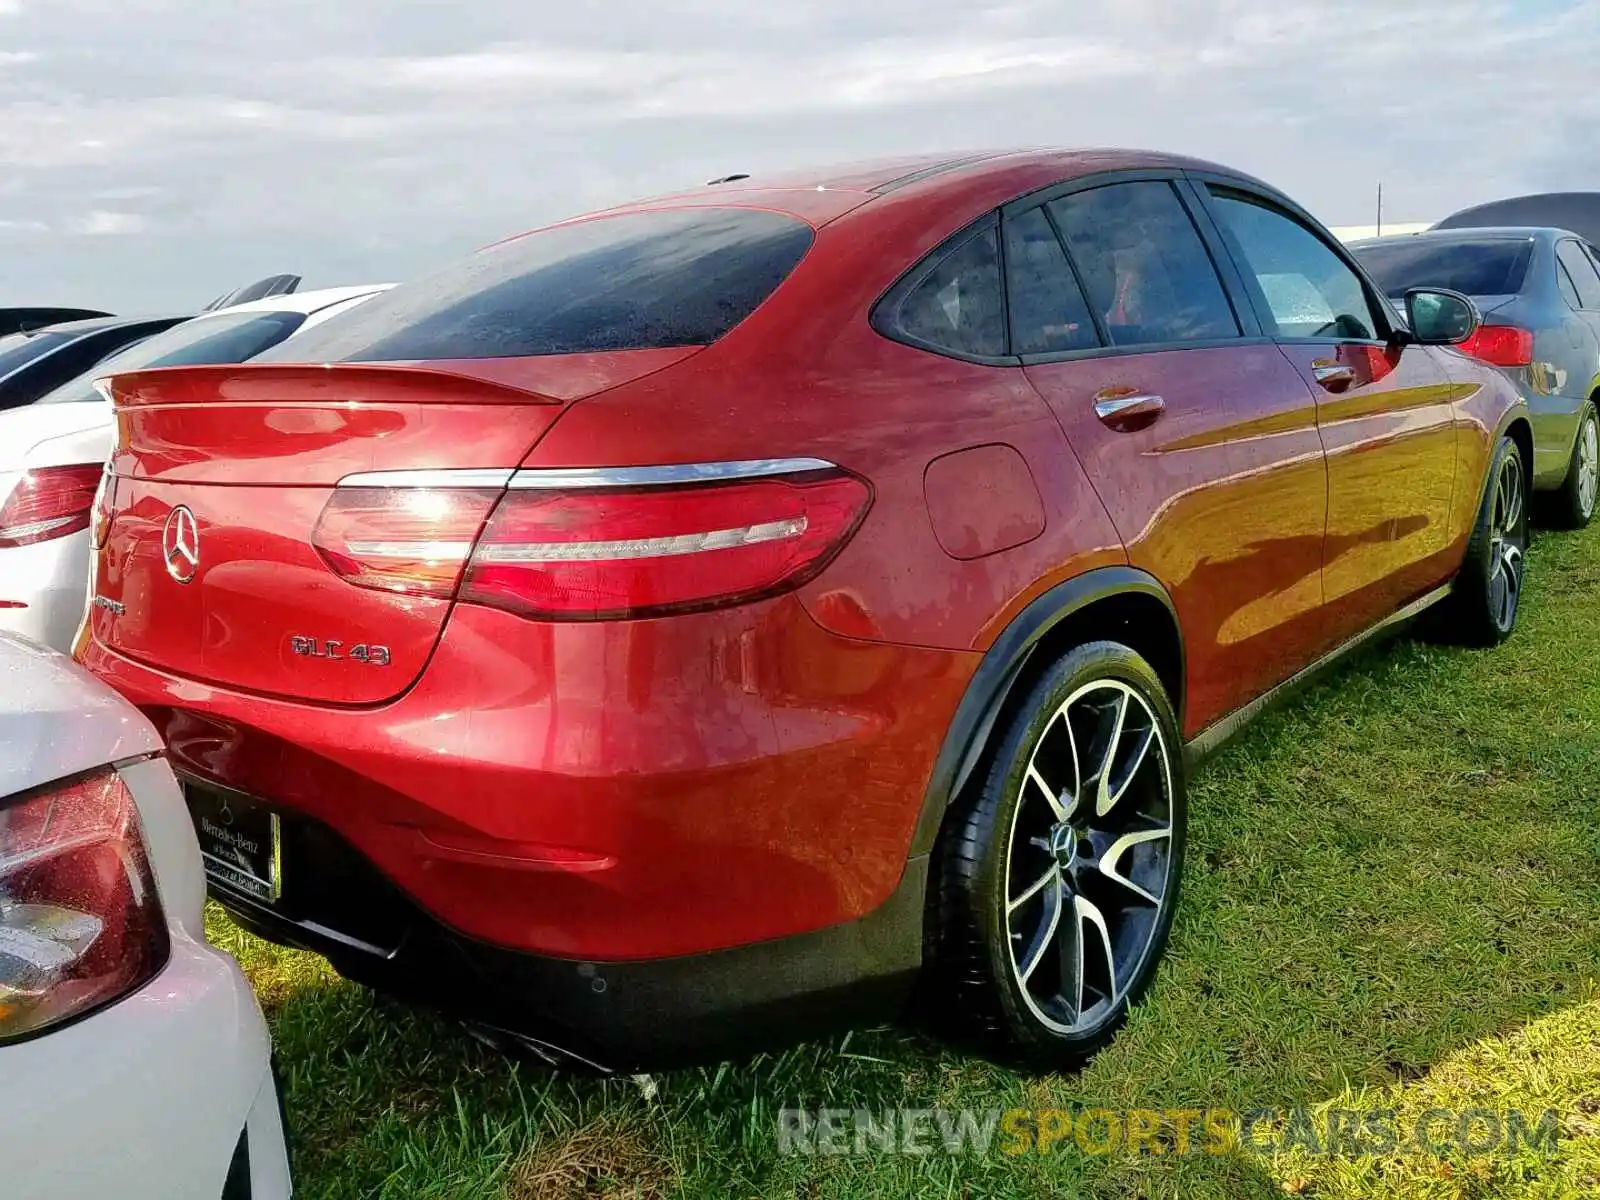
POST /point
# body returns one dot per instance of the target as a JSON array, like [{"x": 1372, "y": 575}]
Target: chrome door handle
[
  {"x": 1115, "y": 408},
  {"x": 1333, "y": 376}
]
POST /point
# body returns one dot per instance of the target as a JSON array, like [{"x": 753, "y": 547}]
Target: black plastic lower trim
[{"x": 618, "y": 1016}]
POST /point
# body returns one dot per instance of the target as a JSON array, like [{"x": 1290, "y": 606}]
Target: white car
[
  {"x": 52, "y": 453},
  {"x": 134, "y": 1061}
]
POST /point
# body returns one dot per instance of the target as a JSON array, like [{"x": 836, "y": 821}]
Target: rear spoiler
[
  {"x": 25, "y": 320},
  {"x": 295, "y": 383}
]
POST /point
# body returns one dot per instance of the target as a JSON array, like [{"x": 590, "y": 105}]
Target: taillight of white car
[
  {"x": 49, "y": 502},
  {"x": 80, "y": 920}
]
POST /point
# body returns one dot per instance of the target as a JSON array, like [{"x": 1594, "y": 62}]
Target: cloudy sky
[{"x": 156, "y": 152}]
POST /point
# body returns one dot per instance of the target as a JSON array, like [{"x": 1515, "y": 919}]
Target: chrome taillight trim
[
  {"x": 467, "y": 477},
  {"x": 563, "y": 478}
]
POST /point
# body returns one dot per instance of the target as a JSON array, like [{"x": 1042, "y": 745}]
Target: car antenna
[{"x": 728, "y": 179}]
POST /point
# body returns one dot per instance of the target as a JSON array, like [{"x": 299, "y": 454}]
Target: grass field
[{"x": 1392, "y": 902}]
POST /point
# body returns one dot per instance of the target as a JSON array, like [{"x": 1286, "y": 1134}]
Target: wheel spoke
[
  {"x": 1089, "y": 913},
  {"x": 1053, "y": 875},
  {"x": 1070, "y": 938},
  {"x": 1120, "y": 847},
  {"x": 1064, "y": 800},
  {"x": 1043, "y": 937},
  {"x": 1127, "y": 779},
  {"x": 1103, "y": 798}
]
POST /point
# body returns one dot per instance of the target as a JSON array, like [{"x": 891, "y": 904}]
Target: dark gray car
[{"x": 1539, "y": 291}]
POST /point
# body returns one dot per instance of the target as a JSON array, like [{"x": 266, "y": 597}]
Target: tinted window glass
[
  {"x": 19, "y": 349},
  {"x": 1582, "y": 273},
  {"x": 1569, "y": 291},
  {"x": 1048, "y": 311},
  {"x": 1483, "y": 267},
  {"x": 221, "y": 339},
  {"x": 956, "y": 306},
  {"x": 630, "y": 282},
  {"x": 1146, "y": 269},
  {"x": 1310, "y": 291}
]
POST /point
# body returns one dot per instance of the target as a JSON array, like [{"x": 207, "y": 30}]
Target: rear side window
[
  {"x": 1048, "y": 312},
  {"x": 225, "y": 338},
  {"x": 1146, "y": 270},
  {"x": 631, "y": 282},
  {"x": 1477, "y": 267},
  {"x": 955, "y": 305},
  {"x": 1582, "y": 273}
]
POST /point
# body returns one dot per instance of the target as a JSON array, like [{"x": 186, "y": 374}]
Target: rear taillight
[
  {"x": 1500, "y": 345},
  {"x": 413, "y": 540},
  {"x": 80, "y": 922},
  {"x": 586, "y": 553},
  {"x": 104, "y": 498},
  {"x": 49, "y": 502}
]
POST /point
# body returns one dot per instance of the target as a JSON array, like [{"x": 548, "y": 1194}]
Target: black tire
[
  {"x": 1483, "y": 605},
  {"x": 1572, "y": 505},
  {"x": 997, "y": 957}
]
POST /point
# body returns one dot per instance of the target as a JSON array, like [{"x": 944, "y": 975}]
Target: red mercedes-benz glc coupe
[{"x": 692, "y": 624}]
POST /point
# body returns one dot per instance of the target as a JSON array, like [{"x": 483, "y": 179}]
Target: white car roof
[
  {"x": 57, "y": 720},
  {"x": 303, "y": 302}
]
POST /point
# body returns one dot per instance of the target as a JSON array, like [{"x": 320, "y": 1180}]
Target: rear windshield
[
  {"x": 19, "y": 349},
  {"x": 1478, "y": 267},
  {"x": 204, "y": 341},
  {"x": 631, "y": 282}
]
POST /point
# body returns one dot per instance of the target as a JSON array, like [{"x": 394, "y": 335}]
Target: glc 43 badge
[{"x": 326, "y": 648}]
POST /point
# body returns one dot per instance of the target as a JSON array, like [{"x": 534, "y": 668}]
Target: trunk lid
[{"x": 219, "y": 477}]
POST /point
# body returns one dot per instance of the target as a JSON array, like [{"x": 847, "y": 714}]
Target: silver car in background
[{"x": 1539, "y": 291}]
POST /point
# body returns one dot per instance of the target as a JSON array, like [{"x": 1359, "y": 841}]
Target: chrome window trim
[
  {"x": 554, "y": 478},
  {"x": 450, "y": 478}
]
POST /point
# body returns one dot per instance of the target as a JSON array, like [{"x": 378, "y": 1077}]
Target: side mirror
[{"x": 1439, "y": 317}]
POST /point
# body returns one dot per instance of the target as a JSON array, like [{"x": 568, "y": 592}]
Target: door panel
[
  {"x": 1385, "y": 413},
  {"x": 1390, "y": 440},
  {"x": 1222, "y": 497}
]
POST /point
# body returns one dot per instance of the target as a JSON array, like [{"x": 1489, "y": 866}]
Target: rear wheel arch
[{"x": 1120, "y": 604}]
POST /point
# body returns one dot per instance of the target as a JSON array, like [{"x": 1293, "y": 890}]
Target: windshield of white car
[
  {"x": 20, "y": 349},
  {"x": 223, "y": 338}
]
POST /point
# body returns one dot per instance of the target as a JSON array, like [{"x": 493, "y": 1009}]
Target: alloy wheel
[
  {"x": 1505, "y": 543},
  {"x": 1588, "y": 464},
  {"x": 1089, "y": 860}
]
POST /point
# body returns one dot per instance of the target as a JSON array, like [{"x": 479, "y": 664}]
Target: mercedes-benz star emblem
[{"x": 180, "y": 544}]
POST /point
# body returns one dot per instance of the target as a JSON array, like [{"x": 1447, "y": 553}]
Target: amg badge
[{"x": 307, "y": 647}]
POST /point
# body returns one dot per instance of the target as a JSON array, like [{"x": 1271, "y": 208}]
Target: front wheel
[
  {"x": 1059, "y": 881},
  {"x": 1483, "y": 605}
]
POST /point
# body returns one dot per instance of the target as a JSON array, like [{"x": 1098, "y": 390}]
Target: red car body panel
[{"x": 623, "y": 790}]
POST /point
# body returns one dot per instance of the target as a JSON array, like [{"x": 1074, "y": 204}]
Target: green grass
[{"x": 1392, "y": 901}]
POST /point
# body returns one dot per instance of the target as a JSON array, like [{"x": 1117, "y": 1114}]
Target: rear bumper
[
  {"x": 606, "y": 792},
  {"x": 611, "y": 1016}
]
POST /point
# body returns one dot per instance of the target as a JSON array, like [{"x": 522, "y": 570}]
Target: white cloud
[
  {"x": 102, "y": 222},
  {"x": 414, "y": 131}
]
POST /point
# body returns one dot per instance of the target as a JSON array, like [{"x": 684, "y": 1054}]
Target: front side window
[
  {"x": 1048, "y": 311},
  {"x": 1310, "y": 291},
  {"x": 634, "y": 281},
  {"x": 1146, "y": 270},
  {"x": 1582, "y": 273},
  {"x": 957, "y": 305}
]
